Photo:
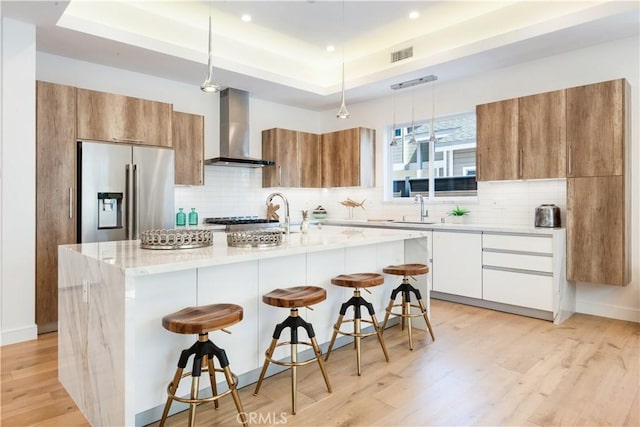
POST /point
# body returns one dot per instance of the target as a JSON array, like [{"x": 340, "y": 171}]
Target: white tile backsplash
[{"x": 232, "y": 191}]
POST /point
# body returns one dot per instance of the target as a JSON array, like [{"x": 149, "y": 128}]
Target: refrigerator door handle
[
  {"x": 129, "y": 204},
  {"x": 136, "y": 203}
]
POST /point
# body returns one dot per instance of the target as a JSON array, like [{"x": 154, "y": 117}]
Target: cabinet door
[
  {"x": 55, "y": 192},
  {"x": 117, "y": 118},
  {"x": 310, "y": 159},
  {"x": 596, "y": 129},
  {"x": 457, "y": 263},
  {"x": 542, "y": 135},
  {"x": 497, "y": 141},
  {"x": 597, "y": 242},
  {"x": 188, "y": 143},
  {"x": 341, "y": 158},
  {"x": 281, "y": 147}
]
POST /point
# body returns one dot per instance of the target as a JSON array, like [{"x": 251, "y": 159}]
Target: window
[{"x": 453, "y": 167}]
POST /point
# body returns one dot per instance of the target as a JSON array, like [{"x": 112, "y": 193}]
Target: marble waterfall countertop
[{"x": 134, "y": 261}]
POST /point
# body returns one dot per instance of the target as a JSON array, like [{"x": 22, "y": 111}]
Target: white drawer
[
  {"x": 521, "y": 289},
  {"x": 542, "y": 244},
  {"x": 518, "y": 261}
]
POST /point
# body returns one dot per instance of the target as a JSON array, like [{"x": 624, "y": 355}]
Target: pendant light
[
  {"x": 342, "y": 111},
  {"x": 413, "y": 124},
  {"x": 209, "y": 85},
  {"x": 432, "y": 133},
  {"x": 394, "y": 141}
]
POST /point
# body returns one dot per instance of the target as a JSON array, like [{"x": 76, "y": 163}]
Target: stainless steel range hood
[{"x": 234, "y": 132}]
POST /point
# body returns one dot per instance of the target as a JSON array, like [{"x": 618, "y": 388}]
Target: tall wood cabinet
[
  {"x": 522, "y": 138},
  {"x": 282, "y": 147},
  {"x": 348, "y": 158},
  {"x": 598, "y": 198},
  {"x": 188, "y": 143},
  {"x": 116, "y": 118},
  {"x": 55, "y": 192}
]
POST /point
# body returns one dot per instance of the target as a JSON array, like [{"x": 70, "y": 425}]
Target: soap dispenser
[
  {"x": 193, "y": 217},
  {"x": 181, "y": 218}
]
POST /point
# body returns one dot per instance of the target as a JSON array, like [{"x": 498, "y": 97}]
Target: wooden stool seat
[
  {"x": 295, "y": 297},
  {"x": 202, "y": 320},
  {"x": 406, "y": 290},
  {"x": 406, "y": 269},
  {"x": 358, "y": 280},
  {"x": 206, "y": 318}
]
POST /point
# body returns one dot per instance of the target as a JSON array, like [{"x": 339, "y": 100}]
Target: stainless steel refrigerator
[{"x": 123, "y": 190}]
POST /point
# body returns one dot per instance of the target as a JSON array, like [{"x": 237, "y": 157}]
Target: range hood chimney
[{"x": 234, "y": 132}]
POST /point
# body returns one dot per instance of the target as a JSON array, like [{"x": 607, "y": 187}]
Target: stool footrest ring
[
  {"x": 353, "y": 334},
  {"x": 203, "y": 399},
  {"x": 421, "y": 314},
  {"x": 281, "y": 363}
]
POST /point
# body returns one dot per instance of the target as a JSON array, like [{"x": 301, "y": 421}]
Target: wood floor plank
[{"x": 485, "y": 368}]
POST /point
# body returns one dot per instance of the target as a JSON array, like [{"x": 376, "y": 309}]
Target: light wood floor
[{"x": 485, "y": 368}]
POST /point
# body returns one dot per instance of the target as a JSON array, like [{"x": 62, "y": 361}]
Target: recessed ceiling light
[
  {"x": 246, "y": 18},
  {"x": 331, "y": 48},
  {"x": 414, "y": 15}
]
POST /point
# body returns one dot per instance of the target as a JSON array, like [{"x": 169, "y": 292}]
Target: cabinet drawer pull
[
  {"x": 138, "y": 141},
  {"x": 520, "y": 164},
  {"x": 279, "y": 176},
  {"x": 569, "y": 161}
]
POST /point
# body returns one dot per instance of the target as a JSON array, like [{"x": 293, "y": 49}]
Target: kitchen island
[{"x": 115, "y": 359}]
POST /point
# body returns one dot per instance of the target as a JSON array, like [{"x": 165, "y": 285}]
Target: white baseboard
[
  {"x": 608, "y": 310},
  {"x": 12, "y": 336}
]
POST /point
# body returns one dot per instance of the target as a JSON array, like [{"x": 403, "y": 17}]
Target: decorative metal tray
[
  {"x": 252, "y": 237},
  {"x": 176, "y": 239}
]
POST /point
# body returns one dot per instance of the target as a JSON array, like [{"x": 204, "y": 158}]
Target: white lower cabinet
[
  {"x": 457, "y": 263},
  {"x": 523, "y": 289}
]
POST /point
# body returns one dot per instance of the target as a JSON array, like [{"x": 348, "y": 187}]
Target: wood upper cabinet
[
  {"x": 297, "y": 158},
  {"x": 522, "y": 138},
  {"x": 348, "y": 158},
  {"x": 497, "y": 153},
  {"x": 281, "y": 146},
  {"x": 310, "y": 160},
  {"x": 596, "y": 129},
  {"x": 188, "y": 144},
  {"x": 598, "y": 241},
  {"x": 55, "y": 192},
  {"x": 116, "y": 118},
  {"x": 542, "y": 135}
]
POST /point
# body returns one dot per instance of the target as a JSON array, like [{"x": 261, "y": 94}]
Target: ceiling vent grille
[{"x": 399, "y": 55}]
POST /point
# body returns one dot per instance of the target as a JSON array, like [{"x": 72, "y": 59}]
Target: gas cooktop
[{"x": 235, "y": 220}]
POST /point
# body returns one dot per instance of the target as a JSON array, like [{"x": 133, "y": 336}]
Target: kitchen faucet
[
  {"x": 287, "y": 220},
  {"x": 423, "y": 213}
]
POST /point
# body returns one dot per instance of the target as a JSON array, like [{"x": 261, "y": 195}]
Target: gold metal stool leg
[
  {"x": 173, "y": 387},
  {"x": 426, "y": 318},
  {"x": 407, "y": 311},
  {"x": 234, "y": 393},
  {"x": 388, "y": 312},
  {"x": 195, "y": 386},
  {"x": 268, "y": 355},
  {"x": 294, "y": 377},
  {"x": 318, "y": 352},
  {"x": 404, "y": 313},
  {"x": 212, "y": 378},
  {"x": 379, "y": 334},
  {"x": 357, "y": 330},
  {"x": 336, "y": 328}
]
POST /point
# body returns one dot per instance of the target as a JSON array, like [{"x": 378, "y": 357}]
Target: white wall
[
  {"x": 231, "y": 191},
  {"x": 17, "y": 197}
]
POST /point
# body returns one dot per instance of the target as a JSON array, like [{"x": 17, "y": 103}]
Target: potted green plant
[{"x": 457, "y": 214}]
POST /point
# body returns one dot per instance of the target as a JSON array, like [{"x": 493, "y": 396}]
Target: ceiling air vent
[{"x": 399, "y": 55}]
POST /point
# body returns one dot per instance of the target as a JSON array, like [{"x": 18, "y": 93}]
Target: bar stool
[
  {"x": 294, "y": 298},
  {"x": 357, "y": 281},
  {"x": 202, "y": 320},
  {"x": 405, "y": 289}
]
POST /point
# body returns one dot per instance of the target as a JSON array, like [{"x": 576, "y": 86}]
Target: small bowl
[{"x": 319, "y": 215}]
